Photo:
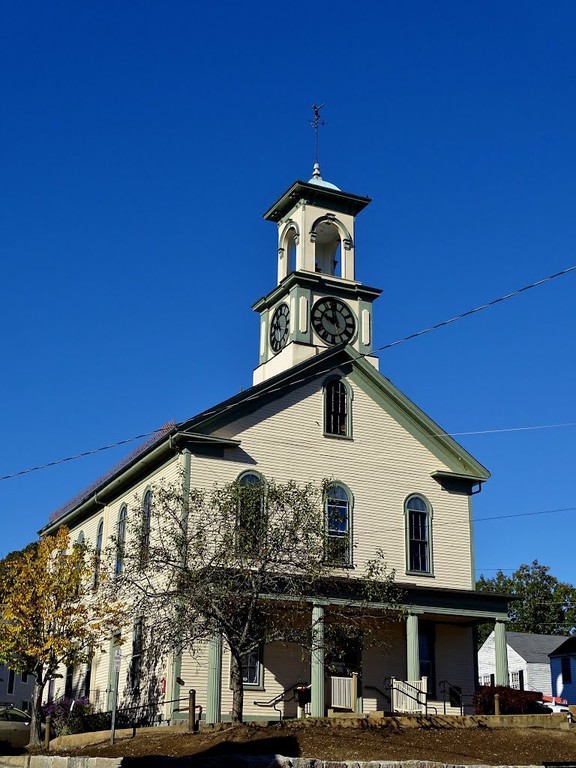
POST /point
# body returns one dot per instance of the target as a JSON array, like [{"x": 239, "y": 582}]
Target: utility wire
[
  {"x": 525, "y": 514},
  {"x": 411, "y": 336}
]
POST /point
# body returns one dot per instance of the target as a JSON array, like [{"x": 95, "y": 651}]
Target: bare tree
[{"x": 232, "y": 560}]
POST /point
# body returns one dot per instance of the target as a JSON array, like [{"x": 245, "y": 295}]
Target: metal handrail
[
  {"x": 280, "y": 697},
  {"x": 416, "y": 697},
  {"x": 446, "y": 688}
]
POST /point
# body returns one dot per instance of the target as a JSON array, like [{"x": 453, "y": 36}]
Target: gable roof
[
  {"x": 534, "y": 649},
  {"x": 200, "y": 429},
  {"x": 568, "y": 647}
]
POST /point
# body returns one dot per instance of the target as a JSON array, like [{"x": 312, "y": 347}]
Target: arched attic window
[
  {"x": 251, "y": 514},
  {"x": 337, "y": 410},
  {"x": 328, "y": 246}
]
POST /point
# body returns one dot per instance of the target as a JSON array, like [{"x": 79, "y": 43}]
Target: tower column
[
  {"x": 500, "y": 653},
  {"x": 317, "y": 703},
  {"x": 412, "y": 648},
  {"x": 214, "y": 692}
]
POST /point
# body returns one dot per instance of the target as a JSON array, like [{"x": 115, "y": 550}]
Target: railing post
[
  {"x": 392, "y": 695},
  {"x": 496, "y": 703},
  {"x": 192, "y": 711},
  {"x": 47, "y": 732}
]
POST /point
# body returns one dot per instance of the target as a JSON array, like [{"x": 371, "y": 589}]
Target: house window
[
  {"x": 24, "y": 677},
  {"x": 136, "y": 665},
  {"x": 336, "y": 409},
  {"x": 337, "y": 507},
  {"x": 10, "y": 688},
  {"x": 69, "y": 682},
  {"x": 98, "y": 553},
  {"x": 121, "y": 540},
  {"x": 418, "y": 535},
  {"x": 251, "y": 668},
  {"x": 146, "y": 518},
  {"x": 566, "y": 669},
  {"x": 251, "y": 515}
]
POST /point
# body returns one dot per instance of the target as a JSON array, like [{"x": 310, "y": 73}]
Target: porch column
[
  {"x": 317, "y": 703},
  {"x": 412, "y": 648},
  {"x": 501, "y": 653},
  {"x": 214, "y": 692}
]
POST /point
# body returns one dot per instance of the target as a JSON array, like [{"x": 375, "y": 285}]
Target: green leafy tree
[
  {"x": 242, "y": 560},
  {"x": 49, "y": 616},
  {"x": 545, "y": 606}
]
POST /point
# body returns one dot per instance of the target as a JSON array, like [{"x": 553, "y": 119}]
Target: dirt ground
[{"x": 355, "y": 741}]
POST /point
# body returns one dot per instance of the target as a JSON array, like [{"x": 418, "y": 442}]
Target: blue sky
[{"x": 141, "y": 142}]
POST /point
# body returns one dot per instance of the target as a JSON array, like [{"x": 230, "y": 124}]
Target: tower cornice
[{"x": 316, "y": 194}]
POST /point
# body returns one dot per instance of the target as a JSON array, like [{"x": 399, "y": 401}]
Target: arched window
[
  {"x": 251, "y": 515},
  {"x": 121, "y": 540},
  {"x": 418, "y": 535},
  {"x": 98, "y": 552},
  {"x": 326, "y": 237},
  {"x": 336, "y": 409},
  {"x": 80, "y": 540},
  {"x": 145, "y": 534},
  {"x": 337, "y": 522},
  {"x": 291, "y": 250}
]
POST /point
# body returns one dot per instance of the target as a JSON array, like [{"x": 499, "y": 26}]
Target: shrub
[
  {"x": 512, "y": 701},
  {"x": 67, "y": 715}
]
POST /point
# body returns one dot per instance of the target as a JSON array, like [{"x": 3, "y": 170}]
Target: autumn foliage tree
[
  {"x": 545, "y": 605},
  {"x": 49, "y": 616},
  {"x": 243, "y": 561}
]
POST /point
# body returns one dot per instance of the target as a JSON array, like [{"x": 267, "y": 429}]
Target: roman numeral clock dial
[
  {"x": 333, "y": 321},
  {"x": 280, "y": 327}
]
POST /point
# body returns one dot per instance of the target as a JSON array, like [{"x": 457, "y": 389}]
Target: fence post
[
  {"x": 47, "y": 732},
  {"x": 496, "y": 703},
  {"x": 192, "y": 711}
]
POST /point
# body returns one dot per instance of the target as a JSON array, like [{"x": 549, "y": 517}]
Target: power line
[
  {"x": 411, "y": 336},
  {"x": 56, "y": 462},
  {"x": 525, "y": 514},
  {"x": 477, "y": 309}
]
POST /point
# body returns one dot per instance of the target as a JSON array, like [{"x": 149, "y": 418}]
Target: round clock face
[
  {"x": 333, "y": 321},
  {"x": 280, "y": 327}
]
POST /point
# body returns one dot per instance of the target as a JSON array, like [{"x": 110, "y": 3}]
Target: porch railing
[
  {"x": 344, "y": 692},
  {"x": 409, "y": 695}
]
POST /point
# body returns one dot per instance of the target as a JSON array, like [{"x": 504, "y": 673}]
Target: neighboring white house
[
  {"x": 15, "y": 688},
  {"x": 319, "y": 408},
  {"x": 528, "y": 661},
  {"x": 563, "y": 670}
]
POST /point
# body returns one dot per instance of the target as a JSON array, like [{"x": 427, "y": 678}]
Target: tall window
[
  {"x": 10, "y": 686},
  {"x": 146, "y": 518},
  {"x": 251, "y": 516},
  {"x": 98, "y": 553},
  {"x": 336, "y": 409},
  {"x": 121, "y": 540},
  {"x": 136, "y": 665},
  {"x": 418, "y": 535},
  {"x": 337, "y": 505}
]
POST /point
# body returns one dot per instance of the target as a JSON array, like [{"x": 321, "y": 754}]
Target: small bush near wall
[
  {"x": 77, "y": 716},
  {"x": 512, "y": 701},
  {"x": 67, "y": 715}
]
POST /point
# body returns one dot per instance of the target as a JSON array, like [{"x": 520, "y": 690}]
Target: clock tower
[{"x": 317, "y": 303}]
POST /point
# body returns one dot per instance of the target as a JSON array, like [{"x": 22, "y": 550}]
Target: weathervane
[{"x": 315, "y": 124}]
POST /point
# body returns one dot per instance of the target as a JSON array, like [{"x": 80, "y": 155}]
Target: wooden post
[
  {"x": 47, "y": 732},
  {"x": 192, "y": 711},
  {"x": 354, "y": 695},
  {"x": 496, "y": 703}
]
